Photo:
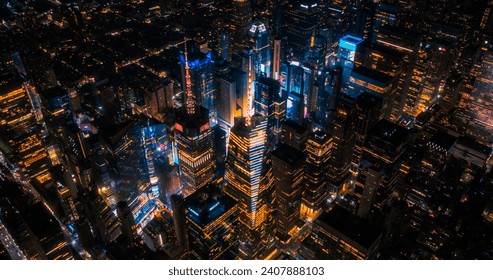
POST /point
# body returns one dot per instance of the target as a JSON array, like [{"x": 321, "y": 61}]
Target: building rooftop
[
  {"x": 388, "y": 52},
  {"x": 474, "y": 145},
  {"x": 352, "y": 39},
  {"x": 389, "y": 132},
  {"x": 350, "y": 226},
  {"x": 53, "y": 92},
  {"x": 294, "y": 125},
  {"x": 207, "y": 204},
  {"x": 112, "y": 133},
  {"x": 192, "y": 125},
  {"x": 288, "y": 154},
  {"x": 320, "y": 137},
  {"x": 9, "y": 81},
  {"x": 444, "y": 140},
  {"x": 376, "y": 76},
  {"x": 242, "y": 128},
  {"x": 271, "y": 83},
  {"x": 369, "y": 100}
]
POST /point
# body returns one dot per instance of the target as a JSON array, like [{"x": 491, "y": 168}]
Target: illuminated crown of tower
[{"x": 190, "y": 105}]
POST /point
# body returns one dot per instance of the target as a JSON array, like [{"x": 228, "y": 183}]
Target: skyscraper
[
  {"x": 241, "y": 19},
  {"x": 269, "y": 104},
  {"x": 158, "y": 155},
  {"x": 224, "y": 44},
  {"x": 287, "y": 171},
  {"x": 19, "y": 127},
  {"x": 379, "y": 169},
  {"x": 433, "y": 65},
  {"x": 107, "y": 227},
  {"x": 368, "y": 113},
  {"x": 363, "y": 79},
  {"x": 336, "y": 15},
  {"x": 340, "y": 235},
  {"x": 345, "y": 57},
  {"x": 226, "y": 101},
  {"x": 249, "y": 183},
  {"x": 259, "y": 41},
  {"x": 329, "y": 83},
  {"x": 125, "y": 215},
  {"x": 294, "y": 135},
  {"x": 388, "y": 61},
  {"x": 123, "y": 151},
  {"x": 211, "y": 217},
  {"x": 194, "y": 140},
  {"x": 386, "y": 14},
  {"x": 316, "y": 189},
  {"x": 342, "y": 129},
  {"x": 296, "y": 80},
  {"x": 478, "y": 113},
  {"x": 301, "y": 20},
  {"x": 201, "y": 69}
]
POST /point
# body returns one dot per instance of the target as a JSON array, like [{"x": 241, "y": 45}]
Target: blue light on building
[
  {"x": 349, "y": 42},
  {"x": 193, "y": 211},
  {"x": 214, "y": 206},
  {"x": 198, "y": 62},
  {"x": 202, "y": 75},
  {"x": 345, "y": 57}
]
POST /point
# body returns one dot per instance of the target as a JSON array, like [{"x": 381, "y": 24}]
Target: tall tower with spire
[
  {"x": 189, "y": 97},
  {"x": 194, "y": 140}
]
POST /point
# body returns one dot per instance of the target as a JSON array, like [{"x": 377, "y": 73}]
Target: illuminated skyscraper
[
  {"x": 316, "y": 189},
  {"x": 386, "y": 14},
  {"x": 241, "y": 19},
  {"x": 379, "y": 168},
  {"x": 301, "y": 19},
  {"x": 211, "y": 217},
  {"x": 337, "y": 15},
  {"x": 386, "y": 60},
  {"x": 433, "y": 65},
  {"x": 158, "y": 154},
  {"x": 345, "y": 57},
  {"x": 379, "y": 84},
  {"x": 249, "y": 183},
  {"x": 195, "y": 145},
  {"x": 478, "y": 113},
  {"x": 269, "y": 104},
  {"x": 296, "y": 80},
  {"x": 19, "y": 127},
  {"x": 342, "y": 129},
  {"x": 124, "y": 153},
  {"x": 411, "y": 79},
  {"x": 201, "y": 69},
  {"x": 194, "y": 140},
  {"x": 260, "y": 44},
  {"x": 294, "y": 135}
]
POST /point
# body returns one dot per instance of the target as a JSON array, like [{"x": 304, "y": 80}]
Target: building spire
[{"x": 189, "y": 97}]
